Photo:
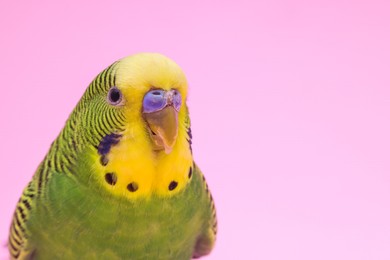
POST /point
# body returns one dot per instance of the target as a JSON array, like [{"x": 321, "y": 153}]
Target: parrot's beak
[{"x": 163, "y": 128}]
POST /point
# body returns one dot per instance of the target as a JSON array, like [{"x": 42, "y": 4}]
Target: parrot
[{"x": 120, "y": 181}]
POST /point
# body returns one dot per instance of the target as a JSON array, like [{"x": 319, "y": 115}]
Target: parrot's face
[
  {"x": 141, "y": 126},
  {"x": 152, "y": 91}
]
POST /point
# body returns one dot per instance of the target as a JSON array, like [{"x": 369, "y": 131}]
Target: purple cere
[{"x": 157, "y": 99}]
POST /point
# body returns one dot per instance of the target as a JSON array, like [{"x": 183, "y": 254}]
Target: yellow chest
[{"x": 133, "y": 170}]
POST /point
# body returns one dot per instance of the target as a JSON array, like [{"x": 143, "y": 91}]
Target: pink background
[{"x": 290, "y": 104}]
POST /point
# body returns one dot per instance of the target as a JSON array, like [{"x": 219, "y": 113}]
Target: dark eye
[{"x": 114, "y": 96}]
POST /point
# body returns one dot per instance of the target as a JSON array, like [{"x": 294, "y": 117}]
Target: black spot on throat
[
  {"x": 132, "y": 187},
  {"x": 110, "y": 178},
  {"x": 172, "y": 185},
  {"x": 104, "y": 160}
]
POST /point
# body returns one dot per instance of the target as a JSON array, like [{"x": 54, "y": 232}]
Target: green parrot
[{"x": 120, "y": 182}]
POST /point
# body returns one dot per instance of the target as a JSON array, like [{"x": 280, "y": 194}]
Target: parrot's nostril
[{"x": 177, "y": 100}]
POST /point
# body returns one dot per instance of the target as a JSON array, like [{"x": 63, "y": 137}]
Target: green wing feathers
[
  {"x": 206, "y": 241},
  {"x": 18, "y": 238}
]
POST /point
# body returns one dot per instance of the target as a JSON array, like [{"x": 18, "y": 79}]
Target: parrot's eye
[{"x": 114, "y": 96}]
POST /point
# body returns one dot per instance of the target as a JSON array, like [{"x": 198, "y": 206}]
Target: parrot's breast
[
  {"x": 103, "y": 225},
  {"x": 127, "y": 166}
]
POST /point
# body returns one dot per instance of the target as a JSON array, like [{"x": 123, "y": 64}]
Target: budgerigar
[{"x": 120, "y": 182}]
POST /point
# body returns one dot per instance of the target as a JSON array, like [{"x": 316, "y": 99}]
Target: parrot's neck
[{"x": 129, "y": 167}]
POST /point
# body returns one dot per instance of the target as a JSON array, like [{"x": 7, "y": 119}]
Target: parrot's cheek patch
[{"x": 163, "y": 128}]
